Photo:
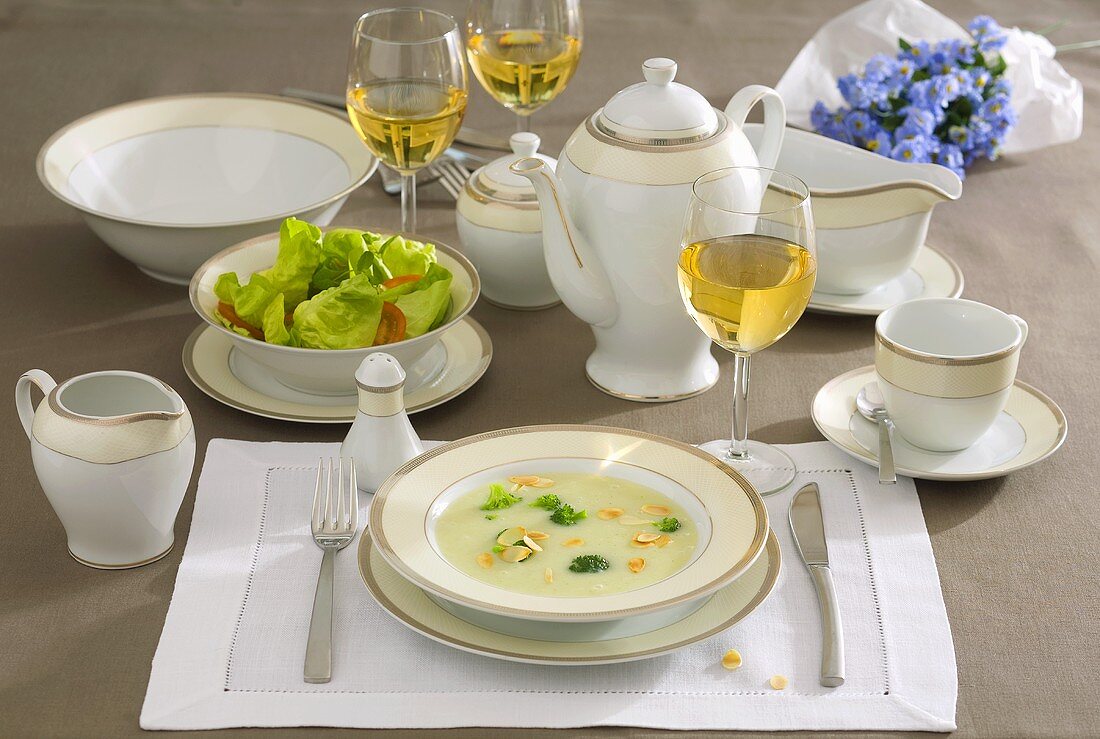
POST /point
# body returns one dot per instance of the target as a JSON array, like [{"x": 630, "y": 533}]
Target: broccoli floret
[
  {"x": 668, "y": 524},
  {"x": 564, "y": 515},
  {"x": 589, "y": 563},
  {"x": 490, "y": 517},
  {"x": 549, "y": 501},
  {"x": 499, "y": 498}
]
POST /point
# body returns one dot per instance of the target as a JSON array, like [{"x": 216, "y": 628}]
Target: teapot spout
[{"x": 575, "y": 269}]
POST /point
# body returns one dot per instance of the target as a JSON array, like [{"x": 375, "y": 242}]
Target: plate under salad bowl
[
  {"x": 324, "y": 372},
  {"x": 169, "y": 181},
  {"x": 568, "y": 533}
]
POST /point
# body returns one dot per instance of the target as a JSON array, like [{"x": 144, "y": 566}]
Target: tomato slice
[
  {"x": 229, "y": 314},
  {"x": 395, "y": 281},
  {"x": 392, "y": 326}
]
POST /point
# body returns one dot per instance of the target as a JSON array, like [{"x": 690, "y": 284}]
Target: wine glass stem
[
  {"x": 523, "y": 123},
  {"x": 408, "y": 203},
  {"x": 739, "y": 438}
]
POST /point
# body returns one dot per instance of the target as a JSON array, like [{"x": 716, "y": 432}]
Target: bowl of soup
[{"x": 568, "y": 532}]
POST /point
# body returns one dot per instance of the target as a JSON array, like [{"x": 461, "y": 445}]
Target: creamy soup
[{"x": 641, "y": 535}]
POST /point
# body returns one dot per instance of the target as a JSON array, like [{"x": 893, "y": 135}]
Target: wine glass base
[{"x": 768, "y": 468}]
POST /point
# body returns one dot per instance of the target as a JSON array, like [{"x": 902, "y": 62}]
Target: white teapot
[
  {"x": 612, "y": 218},
  {"x": 114, "y": 452}
]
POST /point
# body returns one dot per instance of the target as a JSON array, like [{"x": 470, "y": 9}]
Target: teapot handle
[
  {"x": 23, "y": 404},
  {"x": 775, "y": 119}
]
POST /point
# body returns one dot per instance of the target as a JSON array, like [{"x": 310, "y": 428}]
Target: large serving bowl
[
  {"x": 321, "y": 372},
  {"x": 871, "y": 213},
  {"x": 168, "y": 182},
  {"x": 729, "y": 516}
]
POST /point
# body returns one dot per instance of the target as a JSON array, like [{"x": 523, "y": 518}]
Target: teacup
[{"x": 946, "y": 367}]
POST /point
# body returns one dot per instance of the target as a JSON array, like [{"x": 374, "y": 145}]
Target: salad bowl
[
  {"x": 726, "y": 513},
  {"x": 319, "y": 372},
  {"x": 169, "y": 181}
]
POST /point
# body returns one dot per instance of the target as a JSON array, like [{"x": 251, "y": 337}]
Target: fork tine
[
  {"x": 316, "y": 520},
  {"x": 329, "y": 523},
  {"x": 354, "y": 521},
  {"x": 340, "y": 499}
]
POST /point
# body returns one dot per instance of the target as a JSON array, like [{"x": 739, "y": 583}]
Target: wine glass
[
  {"x": 523, "y": 52},
  {"x": 746, "y": 271},
  {"x": 407, "y": 90}
]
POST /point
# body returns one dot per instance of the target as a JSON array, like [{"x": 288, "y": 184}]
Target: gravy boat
[{"x": 871, "y": 213}]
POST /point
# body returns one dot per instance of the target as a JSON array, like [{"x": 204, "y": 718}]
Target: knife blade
[
  {"x": 808, "y": 528},
  {"x": 465, "y": 135}
]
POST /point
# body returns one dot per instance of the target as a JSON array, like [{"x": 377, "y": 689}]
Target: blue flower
[
  {"x": 945, "y": 88},
  {"x": 950, "y": 156},
  {"x": 960, "y": 135},
  {"x": 994, "y": 107},
  {"x": 880, "y": 143},
  {"x": 918, "y": 122},
  {"x": 979, "y": 78},
  {"x": 983, "y": 26},
  {"x": 910, "y": 150},
  {"x": 860, "y": 124},
  {"x": 853, "y": 90},
  {"x": 918, "y": 52}
]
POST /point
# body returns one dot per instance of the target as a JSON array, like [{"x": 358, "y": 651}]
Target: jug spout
[{"x": 575, "y": 269}]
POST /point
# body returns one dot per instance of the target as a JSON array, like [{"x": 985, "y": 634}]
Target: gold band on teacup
[{"x": 946, "y": 378}]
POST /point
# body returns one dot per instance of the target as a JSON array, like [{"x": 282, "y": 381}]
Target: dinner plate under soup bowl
[
  {"x": 434, "y": 500},
  {"x": 322, "y": 372},
  {"x": 169, "y": 181}
]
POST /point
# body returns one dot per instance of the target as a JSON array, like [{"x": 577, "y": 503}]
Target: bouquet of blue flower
[{"x": 946, "y": 103}]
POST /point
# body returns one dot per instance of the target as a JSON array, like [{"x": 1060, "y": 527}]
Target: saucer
[
  {"x": 411, "y": 606},
  {"x": 933, "y": 275},
  {"x": 1030, "y": 429},
  {"x": 446, "y": 371}
]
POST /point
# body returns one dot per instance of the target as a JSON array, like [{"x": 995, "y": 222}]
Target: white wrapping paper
[{"x": 1047, "y": 99}]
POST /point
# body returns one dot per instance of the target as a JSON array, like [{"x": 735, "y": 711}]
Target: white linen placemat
[{"x": 234, "y": 640}]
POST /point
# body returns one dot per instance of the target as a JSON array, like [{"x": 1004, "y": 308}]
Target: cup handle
[
  {"x": 23, "y": 404},
  {"x": 775, "y": 119},
  {"x": 1023, "y": 327}
]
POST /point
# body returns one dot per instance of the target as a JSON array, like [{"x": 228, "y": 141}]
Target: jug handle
[
  {"x": 23, "y": 403},
  {"x": 775, "y": 119}
]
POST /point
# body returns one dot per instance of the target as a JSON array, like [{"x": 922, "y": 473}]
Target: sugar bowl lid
[
  {"x": 658, "y": 111},
  {"x": 495, "y": 181}
]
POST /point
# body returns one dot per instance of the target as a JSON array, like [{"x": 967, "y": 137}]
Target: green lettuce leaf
[
  {"x": 299, "y": 256},
  {"x": 404, "y": 257},
  {"x": 341, "y": 249},
  {"x": 372, "y": 265},
  {"x": 344, "y": 317},
  {"x": 426, "y": 306},
  {"x": 249, "y": 301},
  {"x": 274, "y": 323}
]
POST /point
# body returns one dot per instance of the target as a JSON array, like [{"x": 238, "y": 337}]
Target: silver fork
[
  {"x": 450, "y": 174},
  {"x": 334, "y": 522}
]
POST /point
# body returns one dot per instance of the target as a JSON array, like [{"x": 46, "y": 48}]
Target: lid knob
[
  {"x": 524, "y": 143},
  {"x": 659, "y": 71}
]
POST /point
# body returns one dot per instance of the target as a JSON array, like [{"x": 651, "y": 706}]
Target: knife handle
[
  {"x": 832, "y": 635},
  {"x": 886, "y": 473}
]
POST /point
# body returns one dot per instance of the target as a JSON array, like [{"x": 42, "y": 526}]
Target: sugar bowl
[{"x": 501, "y": 231}]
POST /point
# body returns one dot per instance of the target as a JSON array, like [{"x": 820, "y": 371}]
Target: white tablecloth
[{"x": 233, "y": 643}]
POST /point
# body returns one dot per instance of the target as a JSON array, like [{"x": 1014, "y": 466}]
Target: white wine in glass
[
  {"x": 523, "y": 52},
  {"x": 746, "y": 272},
  {"x": 406, "y": 92}
]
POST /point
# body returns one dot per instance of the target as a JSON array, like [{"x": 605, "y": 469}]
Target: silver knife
[
  {"x": 809, "y": 536},
  {"x": 467, "y": 136}
]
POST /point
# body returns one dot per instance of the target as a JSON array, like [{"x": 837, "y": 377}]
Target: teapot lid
[
  {"x": 658, "y": 111},
  {"x": 496, "y": 182}
]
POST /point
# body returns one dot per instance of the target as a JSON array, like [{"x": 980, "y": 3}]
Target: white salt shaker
[{"x": 381, "y": 438}]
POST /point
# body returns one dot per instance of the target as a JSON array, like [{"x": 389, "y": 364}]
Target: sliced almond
[
  {"x": 531, "y": 544},
  {"x": 636, "y": 565},
  {"x": 643, "y": 537},
  {"x": 656, "y": 510},
  {"x": 524, "y": 479},
  {"x": 731, "y": 660},
  {"x": 510, "y": 536},
  {"x": 778, "y": 682},
  {"x": 485, "y": 560},
  {"x": 663, "y": 540},
  {"x": 609, "y": 513},
  {"x": 538, "y": 535},
  {"x": 641, "y": 544},
  {"x": 548, "y": 575},
  {"x": 632, "y": 521},
  {"x": 515, "y": 554},
  {"x": 542, "y": 482},
  {"x": 573, "y": 543}
]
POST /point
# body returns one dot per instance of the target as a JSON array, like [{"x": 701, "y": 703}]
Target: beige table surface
[{"x": 1017, "y": 556}]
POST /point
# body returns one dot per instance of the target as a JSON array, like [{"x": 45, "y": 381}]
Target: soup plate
[
  {"x": 169, "y": 181},
  {"x": 729, "y": 518},
  {"x": 321, "y": 372}
]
